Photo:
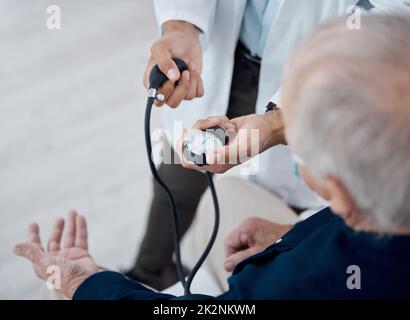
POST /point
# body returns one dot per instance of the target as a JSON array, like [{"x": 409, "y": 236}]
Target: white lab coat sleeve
[{"x": 200, "y": 13}]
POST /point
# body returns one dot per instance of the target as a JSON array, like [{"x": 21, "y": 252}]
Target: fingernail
[
  {"x": 187, "y": 75},
  {"x": 172, "y": 74},
  {"x": 220, "y": 156},
  {"x": 244, "y": 237},
  {"x": 192, "y": 66},
  {"x": 210, "y": 158}
]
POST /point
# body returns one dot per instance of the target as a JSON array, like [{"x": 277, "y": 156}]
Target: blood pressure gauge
[{"x": 198, "y": 143}]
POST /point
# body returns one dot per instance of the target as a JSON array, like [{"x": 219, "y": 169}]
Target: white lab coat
[{"x": 220, "y": 21}]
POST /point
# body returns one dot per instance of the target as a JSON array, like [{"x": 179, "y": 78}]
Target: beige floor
[{"x": 71, "y": 134}]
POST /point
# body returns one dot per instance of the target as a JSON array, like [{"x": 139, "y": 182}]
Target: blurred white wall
[{"x": 71, "y": 127}]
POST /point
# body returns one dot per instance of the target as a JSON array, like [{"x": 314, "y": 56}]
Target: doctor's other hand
[
  {"x": 251, "y": 237},
  {"x": 248, "y": 136},
  {"x": 180, "y": 39},
  {"x": 72, "y": 259}
]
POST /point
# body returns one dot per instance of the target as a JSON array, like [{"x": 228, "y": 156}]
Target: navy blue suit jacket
[{"x": 311, "y": 262}]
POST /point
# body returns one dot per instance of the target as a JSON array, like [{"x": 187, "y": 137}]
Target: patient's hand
[
  {"x": 251, "y": 237},
  {"x": 73, "y": 259}
]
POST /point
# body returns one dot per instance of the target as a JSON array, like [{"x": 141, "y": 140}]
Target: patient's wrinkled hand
[
  {"x": 251, "y": 237},
  {"x": 73, "y": 260}
]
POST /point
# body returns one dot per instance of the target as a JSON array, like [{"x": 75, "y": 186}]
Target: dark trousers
[{"x": 154, "y": 265}]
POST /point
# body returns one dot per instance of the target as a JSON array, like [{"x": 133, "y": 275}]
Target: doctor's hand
[
  {"x": 251, "y": 237},
  {"x": 180, "y": 39},
  {"x": 249, "y": 136},
  {"x": 72, "y": 260}
]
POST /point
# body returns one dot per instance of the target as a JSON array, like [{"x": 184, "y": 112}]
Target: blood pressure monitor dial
[{"x": 198, "y": 143}]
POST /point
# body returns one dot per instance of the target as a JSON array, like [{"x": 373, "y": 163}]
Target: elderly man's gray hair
[{"x": 350, "y": 97}]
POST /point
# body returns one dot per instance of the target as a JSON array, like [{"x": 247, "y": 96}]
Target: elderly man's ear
[
  {"x": 333, "y": 190},
  {"x": 340, "y": 199}
]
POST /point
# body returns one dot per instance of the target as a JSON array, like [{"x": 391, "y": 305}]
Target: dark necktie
[{"x": 365, "y": 4}]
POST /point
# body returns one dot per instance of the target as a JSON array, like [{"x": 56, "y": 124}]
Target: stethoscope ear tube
[{"x": 156, "y": 80}]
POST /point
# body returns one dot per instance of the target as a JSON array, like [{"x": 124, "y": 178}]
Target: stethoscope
[{"x": 196, "y": 145}]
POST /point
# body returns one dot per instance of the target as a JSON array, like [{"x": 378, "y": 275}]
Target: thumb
[
  {"x": 221, "y": 155},
  {"x": 239, "y": 256},
  {"x": 162, "y": 56},
  {"x": 28, "y": 251}
]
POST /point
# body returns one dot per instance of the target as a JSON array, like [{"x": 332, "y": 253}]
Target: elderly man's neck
[{"x": 360, "y": 224}]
